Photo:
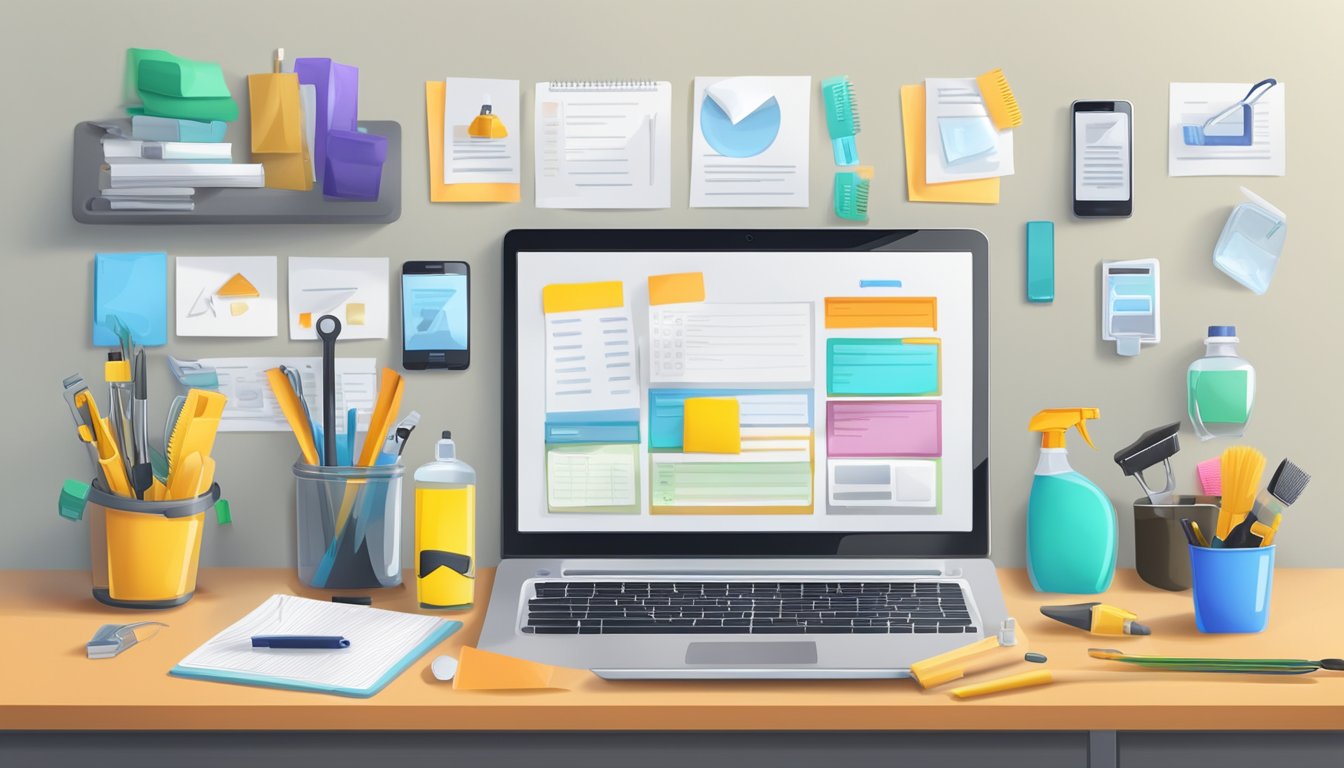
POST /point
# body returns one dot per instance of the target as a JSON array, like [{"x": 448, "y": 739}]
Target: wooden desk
[{"x": 49, "y": 685}]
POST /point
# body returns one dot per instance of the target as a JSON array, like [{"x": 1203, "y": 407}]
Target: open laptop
[{"x": 744, "y": 454}]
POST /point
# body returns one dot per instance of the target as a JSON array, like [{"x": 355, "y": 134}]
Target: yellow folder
[
  {"x": 278, "y": 139},
  {"x": 711, "y": 425},
  {"x": 912, "y": 118},
  {"x": 435, "y": 93}
]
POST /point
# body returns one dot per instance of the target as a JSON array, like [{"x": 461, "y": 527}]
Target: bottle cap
[
  {"x": 447, "y": 435},
  {"x": 1222, "y": 330}
]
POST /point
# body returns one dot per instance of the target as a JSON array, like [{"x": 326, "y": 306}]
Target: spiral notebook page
[
  {"x": 380, "y": 641},
  {"x": 604, "y": 144}
]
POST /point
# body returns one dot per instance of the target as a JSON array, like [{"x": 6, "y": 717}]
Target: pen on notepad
[{"x": 333, "y": 642}]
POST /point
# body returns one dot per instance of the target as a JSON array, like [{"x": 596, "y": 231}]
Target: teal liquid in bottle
[
  {"x": 1071, "y": 528},
  {"x": 1071, "y": 536}
]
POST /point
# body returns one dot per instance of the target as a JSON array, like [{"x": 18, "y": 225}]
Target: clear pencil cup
[{"x": 349, "y": 525}]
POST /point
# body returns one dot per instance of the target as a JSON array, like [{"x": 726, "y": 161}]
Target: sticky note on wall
[
  {"x": 676, "y": 289},
  {"x": 882, "y": 312},
  {"x": 133, "y": 288},
  {"x": 883, "y": 366},
  {"x": 712, "y": 426},
  {"x": 575, "y": 297}
]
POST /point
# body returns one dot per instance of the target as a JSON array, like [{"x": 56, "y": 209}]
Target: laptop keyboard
[{"x": 739, "y": 607}]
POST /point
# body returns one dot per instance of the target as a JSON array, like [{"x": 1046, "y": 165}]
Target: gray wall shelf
[{"x": 241, "y": 206}]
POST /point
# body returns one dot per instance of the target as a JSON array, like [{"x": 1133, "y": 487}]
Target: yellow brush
[
  {"x": 1241, "y": 466},
  {"x": 999, "y": 100}
]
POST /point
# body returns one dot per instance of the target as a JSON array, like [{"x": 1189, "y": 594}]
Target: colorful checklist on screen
[{"x": 686, "y": 392}]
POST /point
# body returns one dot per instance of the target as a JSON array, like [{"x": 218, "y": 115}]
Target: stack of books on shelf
[{"x": 174, "y": 143}]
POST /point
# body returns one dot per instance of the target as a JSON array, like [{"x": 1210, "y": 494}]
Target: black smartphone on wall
[
  {"x": 1103, "y": 158},
  {"x": 435, "y": 315}
]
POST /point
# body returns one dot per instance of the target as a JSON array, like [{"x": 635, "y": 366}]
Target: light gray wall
[{"x": 64, "y": 65}]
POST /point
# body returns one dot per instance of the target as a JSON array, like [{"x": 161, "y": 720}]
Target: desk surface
[{"x": 47, "y": 616}]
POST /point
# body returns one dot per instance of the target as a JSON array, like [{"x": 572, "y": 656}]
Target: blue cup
[{"x": 1231, "y": 588}]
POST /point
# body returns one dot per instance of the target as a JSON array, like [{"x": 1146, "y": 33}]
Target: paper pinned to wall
[
  {"x": 227, "y": 296},
  {"x": 133, "y": 288},
  {"x": 749, "y": 145},
  {"x": 1194, "y": 103},
  {"x": 983, "y": 191},
  {"x": 251, "y": 405},
  {"x": 481, "y": 118},
  {"x": 603, "y": 144},
  {"x": 330, "y": 286},
  {"x": 441, "y": 192},
  {"x": 961, "y": 142}
]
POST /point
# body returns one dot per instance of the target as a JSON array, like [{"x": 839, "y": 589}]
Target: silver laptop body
[{"x": 536, "y": 564}]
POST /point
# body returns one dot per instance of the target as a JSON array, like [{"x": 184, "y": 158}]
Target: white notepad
[
  {"x": 382, "y": 645},
  {"x": 604, "y": 144}
]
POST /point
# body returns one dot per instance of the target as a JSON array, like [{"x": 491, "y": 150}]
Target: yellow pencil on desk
[{"x": 1009, "y": 683}]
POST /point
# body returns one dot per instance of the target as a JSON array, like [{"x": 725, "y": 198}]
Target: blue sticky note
[
  {"x": 892, "y": 367},
  {"x": 966, "y": 138},
  {"x": 132, "y": 287}
]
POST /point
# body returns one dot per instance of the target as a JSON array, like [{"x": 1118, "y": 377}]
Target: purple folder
[
  {"x": 354, "y": 166},
  {"x": 337, "y": 101},
  {"x": 884, "y": 428}
]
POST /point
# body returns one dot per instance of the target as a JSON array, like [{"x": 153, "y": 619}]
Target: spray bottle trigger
[{"x": 1082, "y": 430}]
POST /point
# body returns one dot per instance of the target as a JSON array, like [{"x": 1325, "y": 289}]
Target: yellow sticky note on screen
[
  {"x": 435, "y": 94},
  {"x": 711, "y": 426},
  {"x": 354, "y": 313},
  {"x": 680, "y": 288},
  {"x": 574, "y": 297},
  {"x": 479, "y": 670},
  {"x": 912, "y": 118}
]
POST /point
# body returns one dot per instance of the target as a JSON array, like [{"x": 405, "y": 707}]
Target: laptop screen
[{"x": 744, "y": 391}]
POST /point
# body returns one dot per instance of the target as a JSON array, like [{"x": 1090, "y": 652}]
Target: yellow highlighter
[
  {"x": 100, "y": 435},
  {"x": 1012, "y": 682}
]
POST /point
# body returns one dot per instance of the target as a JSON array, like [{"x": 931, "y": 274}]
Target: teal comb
[
  {"x": 842, "y": 118},
  {"x": 851, "y": 196}
]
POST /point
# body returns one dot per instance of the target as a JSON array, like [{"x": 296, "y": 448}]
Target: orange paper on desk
[
  {"x": 912, "y": 118},
  {"x": 711, "y": 425},
  {"x": 882, "y": 312},
  {"x": 575, "y": 297},
  {"x": 681, "y": 288},
  {"x": 479, "y": 670},
  {"x": 439, "y": 192}
]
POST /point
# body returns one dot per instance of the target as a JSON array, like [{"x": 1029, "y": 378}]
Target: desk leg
[{"x": 1102, "y": 750}]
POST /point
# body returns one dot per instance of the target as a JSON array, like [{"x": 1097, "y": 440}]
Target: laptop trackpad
[{"x": 752, "y": 654}]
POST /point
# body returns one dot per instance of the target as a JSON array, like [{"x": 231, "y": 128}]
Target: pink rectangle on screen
[{"x": 884, "y": 428}]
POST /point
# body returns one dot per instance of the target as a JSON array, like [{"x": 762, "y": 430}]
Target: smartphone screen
[
  {"x": 1102, "y": 159},
  {"x": 435, "y": 315}
]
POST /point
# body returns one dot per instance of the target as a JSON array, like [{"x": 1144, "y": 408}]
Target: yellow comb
[
  {"x": 999, "y": 99},
  {"x": 195, "y": 428}
]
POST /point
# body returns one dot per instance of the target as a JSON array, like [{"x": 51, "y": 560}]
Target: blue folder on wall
[{"x": 133, "y": 287}]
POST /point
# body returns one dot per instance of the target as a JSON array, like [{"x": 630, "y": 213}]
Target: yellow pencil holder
[{"x": 142, "y": 554}]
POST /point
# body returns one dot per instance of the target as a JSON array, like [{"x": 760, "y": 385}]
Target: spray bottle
[
  {"x": 445, "y": 530},
  {"x": 1071, "y": 528}
]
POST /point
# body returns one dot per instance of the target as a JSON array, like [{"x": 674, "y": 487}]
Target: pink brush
[{"x": 1211, "y": 476}]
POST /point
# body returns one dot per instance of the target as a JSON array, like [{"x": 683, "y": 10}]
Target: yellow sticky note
[
  {"x": 711, "y": 426},
  {"x": 479, "y": 670},
  {"x": 455, "y": 193},
  {"x": 305, "y": 319},
  {"x": 680, "y": 288},
  {"x": 354, "y": 313},
  {"x": 912, "y": 118},
  {"x": 573, "y": 297}
]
